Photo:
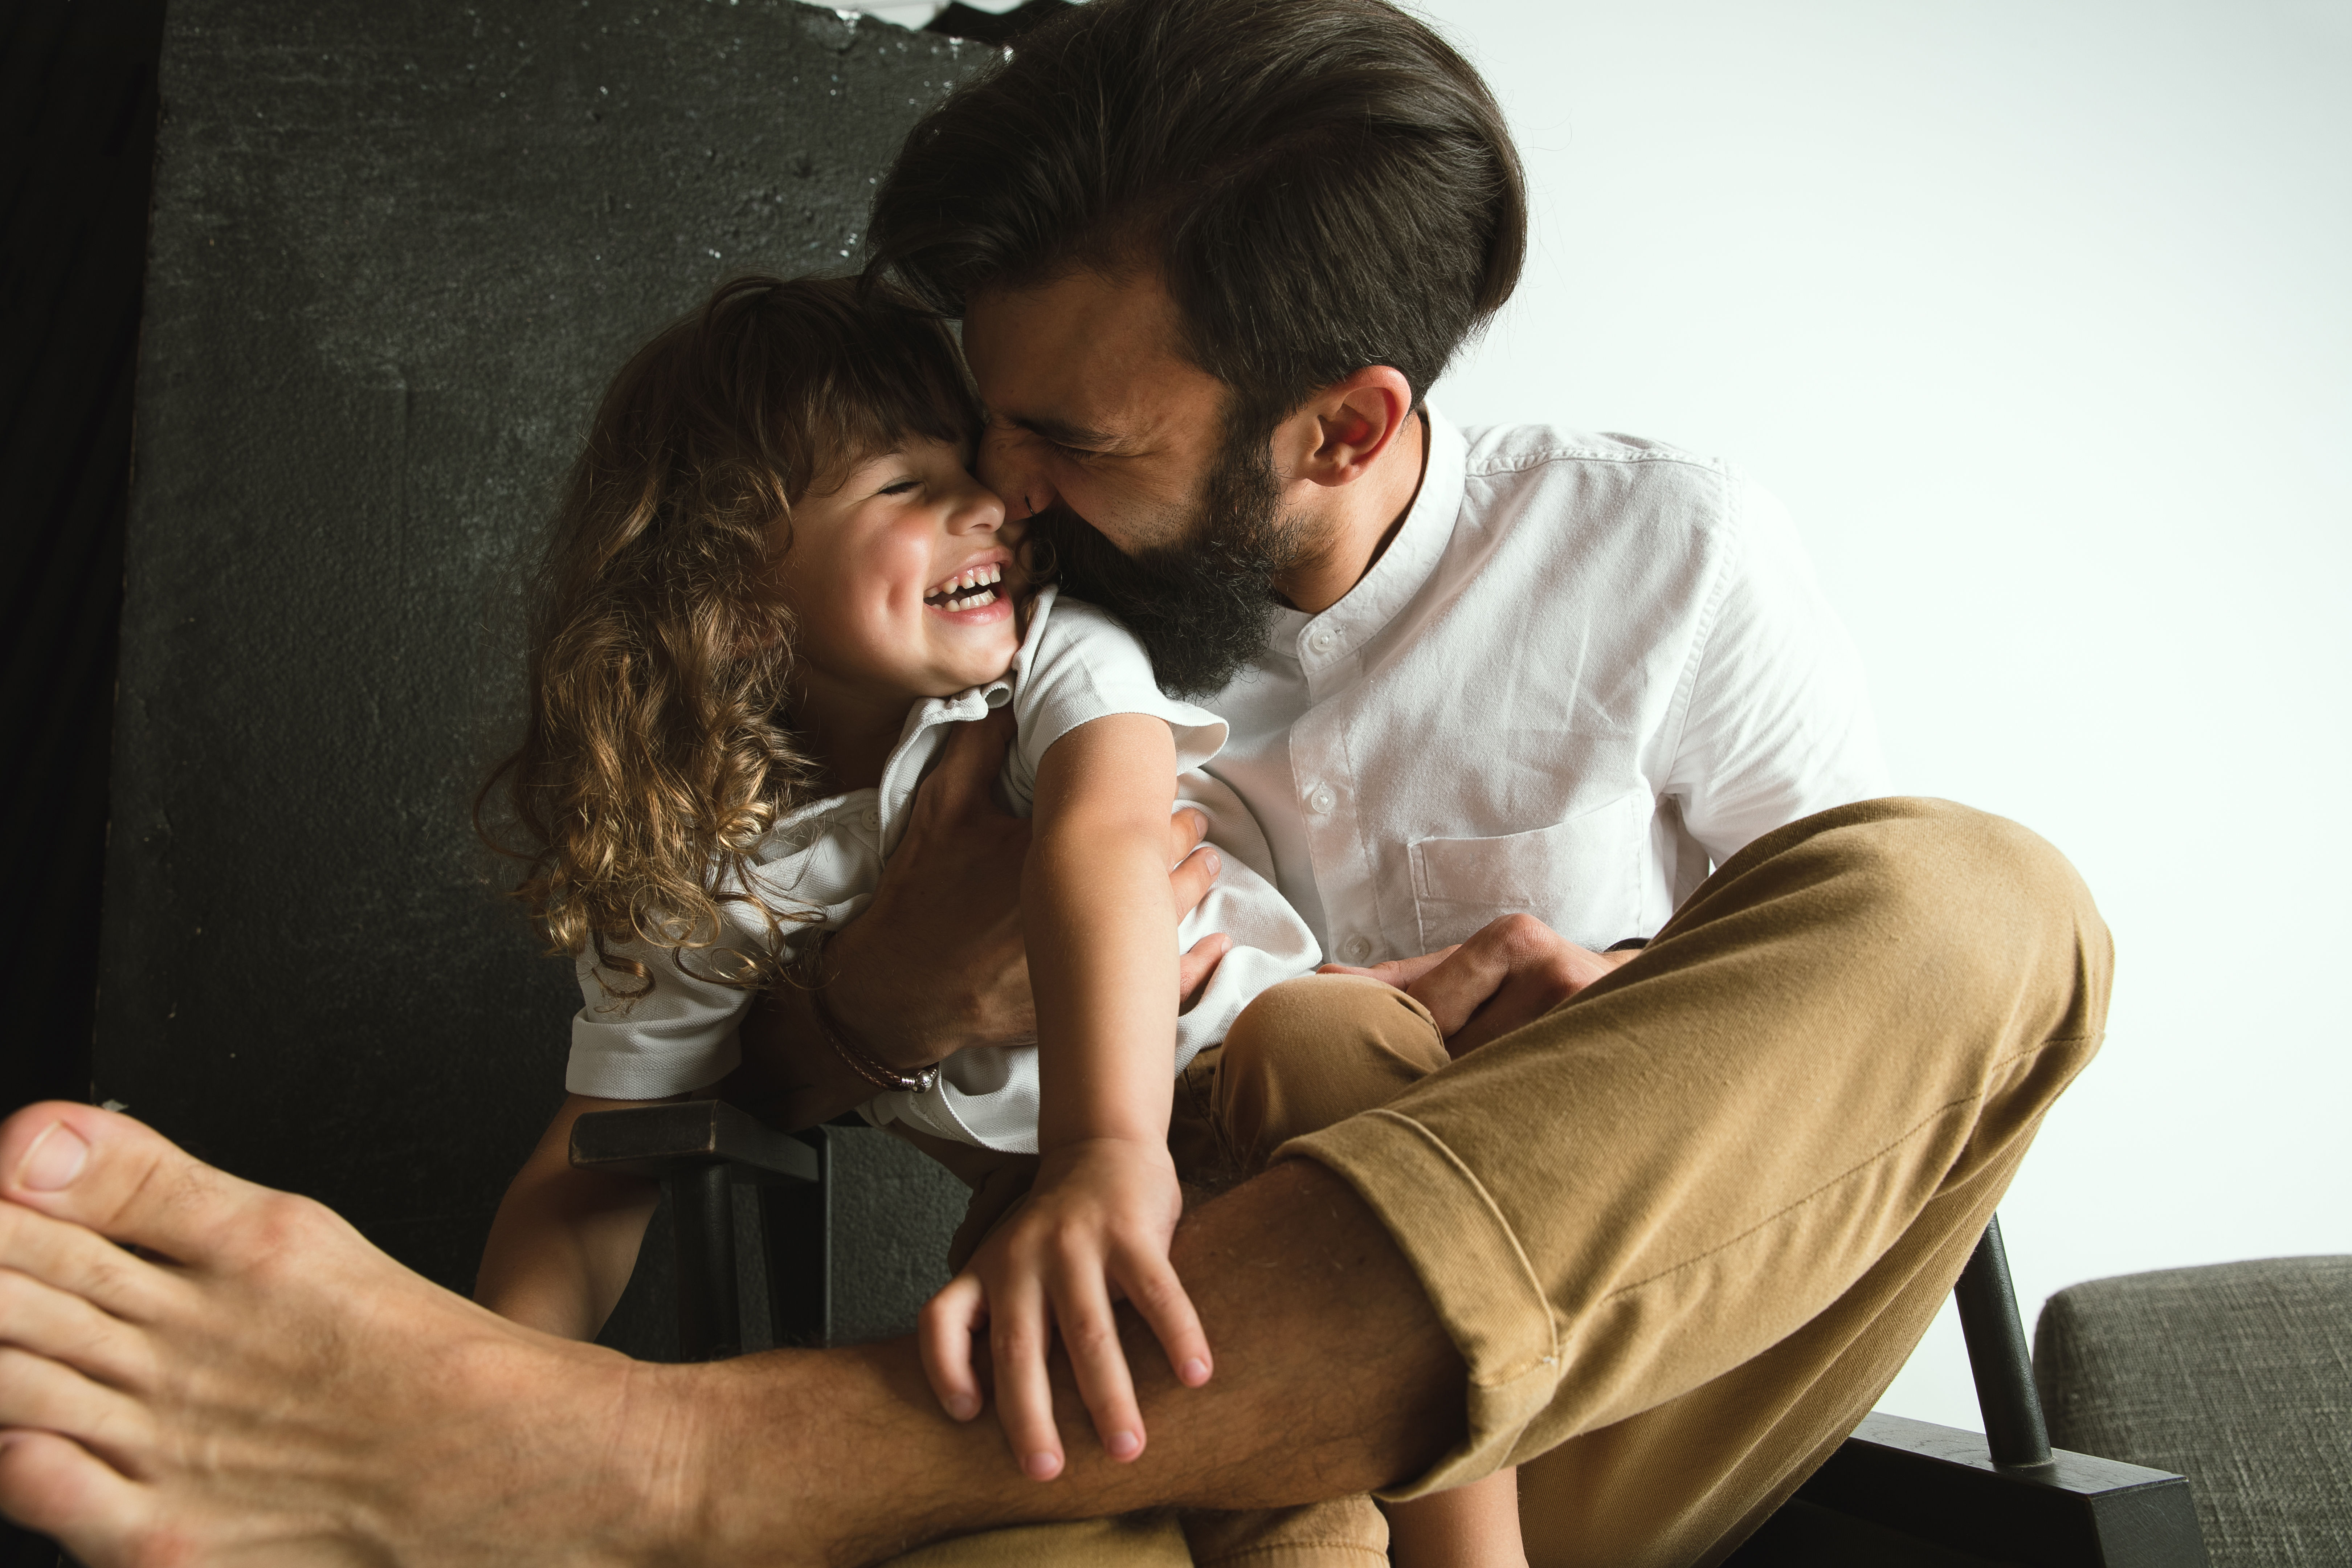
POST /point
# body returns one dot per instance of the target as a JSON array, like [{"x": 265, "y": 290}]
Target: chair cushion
[{"x": 2238, "y": 1376}]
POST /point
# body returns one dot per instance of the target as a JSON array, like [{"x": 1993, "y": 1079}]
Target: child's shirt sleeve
[
  {"x": 680, "y": 1036},
  {"x": 1080, "y": 665},
  {"x": 675, "y": 1038},
  {"x": 1077, "y": 665}
]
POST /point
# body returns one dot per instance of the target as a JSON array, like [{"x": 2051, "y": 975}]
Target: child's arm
[
  {"x": 565, "y": 1241},
  {"x": 1100, "y": 927}
]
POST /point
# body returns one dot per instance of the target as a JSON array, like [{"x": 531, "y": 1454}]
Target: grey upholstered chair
[{"x": 2238, "y": 1375}]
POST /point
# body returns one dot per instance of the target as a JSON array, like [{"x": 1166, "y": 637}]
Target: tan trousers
[{"x": 1685, "y": 1228}]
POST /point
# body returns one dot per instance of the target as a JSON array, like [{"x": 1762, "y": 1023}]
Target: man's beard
[{"x": 1200, "y": 606}]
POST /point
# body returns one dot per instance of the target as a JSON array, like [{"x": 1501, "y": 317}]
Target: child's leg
[{"x": 1476, "y": 1526}]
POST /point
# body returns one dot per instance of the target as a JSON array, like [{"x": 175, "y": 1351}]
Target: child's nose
[{"x": 981, "y": 511}]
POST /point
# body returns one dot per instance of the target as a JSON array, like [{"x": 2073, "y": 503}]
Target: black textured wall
[{"x": 396, "y": 249}]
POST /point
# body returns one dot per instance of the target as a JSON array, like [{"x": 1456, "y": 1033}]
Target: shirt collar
[
  {"x": 1405, "y": 565},
  {"x": 911, "y": 755}
]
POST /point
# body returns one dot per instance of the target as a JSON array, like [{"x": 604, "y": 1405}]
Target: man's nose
[{"x": 1008, "y": 465}]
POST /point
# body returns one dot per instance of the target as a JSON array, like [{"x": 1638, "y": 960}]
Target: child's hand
[{"x": 1094, "y": 1228}]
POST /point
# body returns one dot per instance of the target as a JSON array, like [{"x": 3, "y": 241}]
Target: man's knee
[
  {"x": 1984, "y": 894},
  {"x": 1928, "y": 863}
]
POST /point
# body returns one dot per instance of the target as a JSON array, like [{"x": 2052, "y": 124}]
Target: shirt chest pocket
[{"x": 1582, "y": 877}]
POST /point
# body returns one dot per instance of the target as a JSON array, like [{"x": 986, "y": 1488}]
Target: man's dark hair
[{"x": 1323, "y": 184}]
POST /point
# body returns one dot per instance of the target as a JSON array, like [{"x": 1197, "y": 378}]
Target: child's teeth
[{"x": 964, "y": 582}]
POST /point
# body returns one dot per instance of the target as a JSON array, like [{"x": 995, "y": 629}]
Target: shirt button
[
  {"x": 872, "y": 817},
  {"x": 1322, "y": 798},
  {"x": 1320, "y": 639},
  {"x": 1356, "y": 949}
]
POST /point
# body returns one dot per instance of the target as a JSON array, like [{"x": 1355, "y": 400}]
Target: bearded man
[{"x": 1659, "y": 1229}]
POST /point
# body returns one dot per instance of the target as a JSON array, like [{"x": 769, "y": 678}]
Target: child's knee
[{"x": 1317, "y": 1051}]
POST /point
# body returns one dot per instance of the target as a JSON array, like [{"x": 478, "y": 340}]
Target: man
[{"x": 1658, "y": 1235}]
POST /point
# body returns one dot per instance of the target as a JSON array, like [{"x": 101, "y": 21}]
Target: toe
[
  {"x": 122, "y": 1180},
  {"x": 61, "y": 1489},
  {"x": 45, "y": 1396},
  {"x": 58, "y": 1320},
  {"x": 35, "y": 1250}
]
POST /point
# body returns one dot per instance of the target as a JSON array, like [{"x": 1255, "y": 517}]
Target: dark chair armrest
[{"x": 657, "y": 1141}]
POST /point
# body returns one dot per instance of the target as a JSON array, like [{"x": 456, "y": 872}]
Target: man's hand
[
  {"x": 1093, "y": 1231},
  {"x": 1512, "y": 972},
  {"x": 935, "y": 963}
]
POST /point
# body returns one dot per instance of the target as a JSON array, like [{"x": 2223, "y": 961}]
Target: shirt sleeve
[
  {"x": 677, "y": 1037},
  {"x": 1081, "y": 665},
  {"x": 1777, "y": 724}
]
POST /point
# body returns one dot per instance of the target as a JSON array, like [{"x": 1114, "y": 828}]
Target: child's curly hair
[{"x": 657, "y": 751}]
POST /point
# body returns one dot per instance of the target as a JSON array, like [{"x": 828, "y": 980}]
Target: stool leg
[
  {"x": 796, "y": 1235},
  {"x": 2015, "y": 1432},
  {"x": 702, "y": 1219}
]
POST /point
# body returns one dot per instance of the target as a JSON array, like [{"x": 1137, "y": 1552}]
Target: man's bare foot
[
  {"x": 257, "y": 1384},
  {"x": 262, "y": 1385}
]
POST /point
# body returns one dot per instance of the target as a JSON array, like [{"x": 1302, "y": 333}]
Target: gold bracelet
[{"x": 862, "y": 1062}]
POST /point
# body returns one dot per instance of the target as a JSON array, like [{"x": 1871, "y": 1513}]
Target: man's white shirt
[{"x": 1586, "y": 669}]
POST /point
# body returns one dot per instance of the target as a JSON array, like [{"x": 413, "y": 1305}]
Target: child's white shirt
[{"x": 1076, "y": 663}]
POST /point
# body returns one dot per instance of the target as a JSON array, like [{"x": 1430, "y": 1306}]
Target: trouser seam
[
  {"x": 1289, "y": 1548},
  {"x": 1843, "y": 1176}
]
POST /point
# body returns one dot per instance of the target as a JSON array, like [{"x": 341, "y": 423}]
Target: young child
[{"x": 771, "y": 586}]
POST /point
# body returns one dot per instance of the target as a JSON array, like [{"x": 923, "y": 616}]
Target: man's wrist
[
  {"x": 846, "y": 1011},
  {"x": 859, "y": 1058}
]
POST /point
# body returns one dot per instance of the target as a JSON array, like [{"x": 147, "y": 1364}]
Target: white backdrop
[{"x": 2040, "y": 318}]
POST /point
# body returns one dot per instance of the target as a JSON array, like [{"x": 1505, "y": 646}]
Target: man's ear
[{"x": 1342, "y": 430}]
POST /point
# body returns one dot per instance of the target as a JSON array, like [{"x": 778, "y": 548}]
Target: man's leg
[
  {"x": 1685, "y": 1228},
  {"x": 284, "y": 1393},
  {"x": 1832, "y": 1053}
]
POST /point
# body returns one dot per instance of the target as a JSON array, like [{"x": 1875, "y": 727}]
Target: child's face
[{"x": 899, "y": 579}]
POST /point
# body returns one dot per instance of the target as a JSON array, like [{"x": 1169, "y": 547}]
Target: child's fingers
[
  {"x": 1019, "y": 1334},
  {"x": 1082, "y": 1312},
  {"x": 944, "y": 1334},
  {"x": 1151, "y": 1286}
]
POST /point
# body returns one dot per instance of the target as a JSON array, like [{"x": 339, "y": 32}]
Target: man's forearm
[{"x": 1299, "y": 1288}]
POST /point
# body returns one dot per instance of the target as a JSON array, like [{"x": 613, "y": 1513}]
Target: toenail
[{"x": 55, "y": 1159}]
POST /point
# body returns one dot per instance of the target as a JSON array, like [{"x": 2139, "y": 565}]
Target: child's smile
[
  {"x": 897, "y": 579},
  {"x": 966, "y": 592}
]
